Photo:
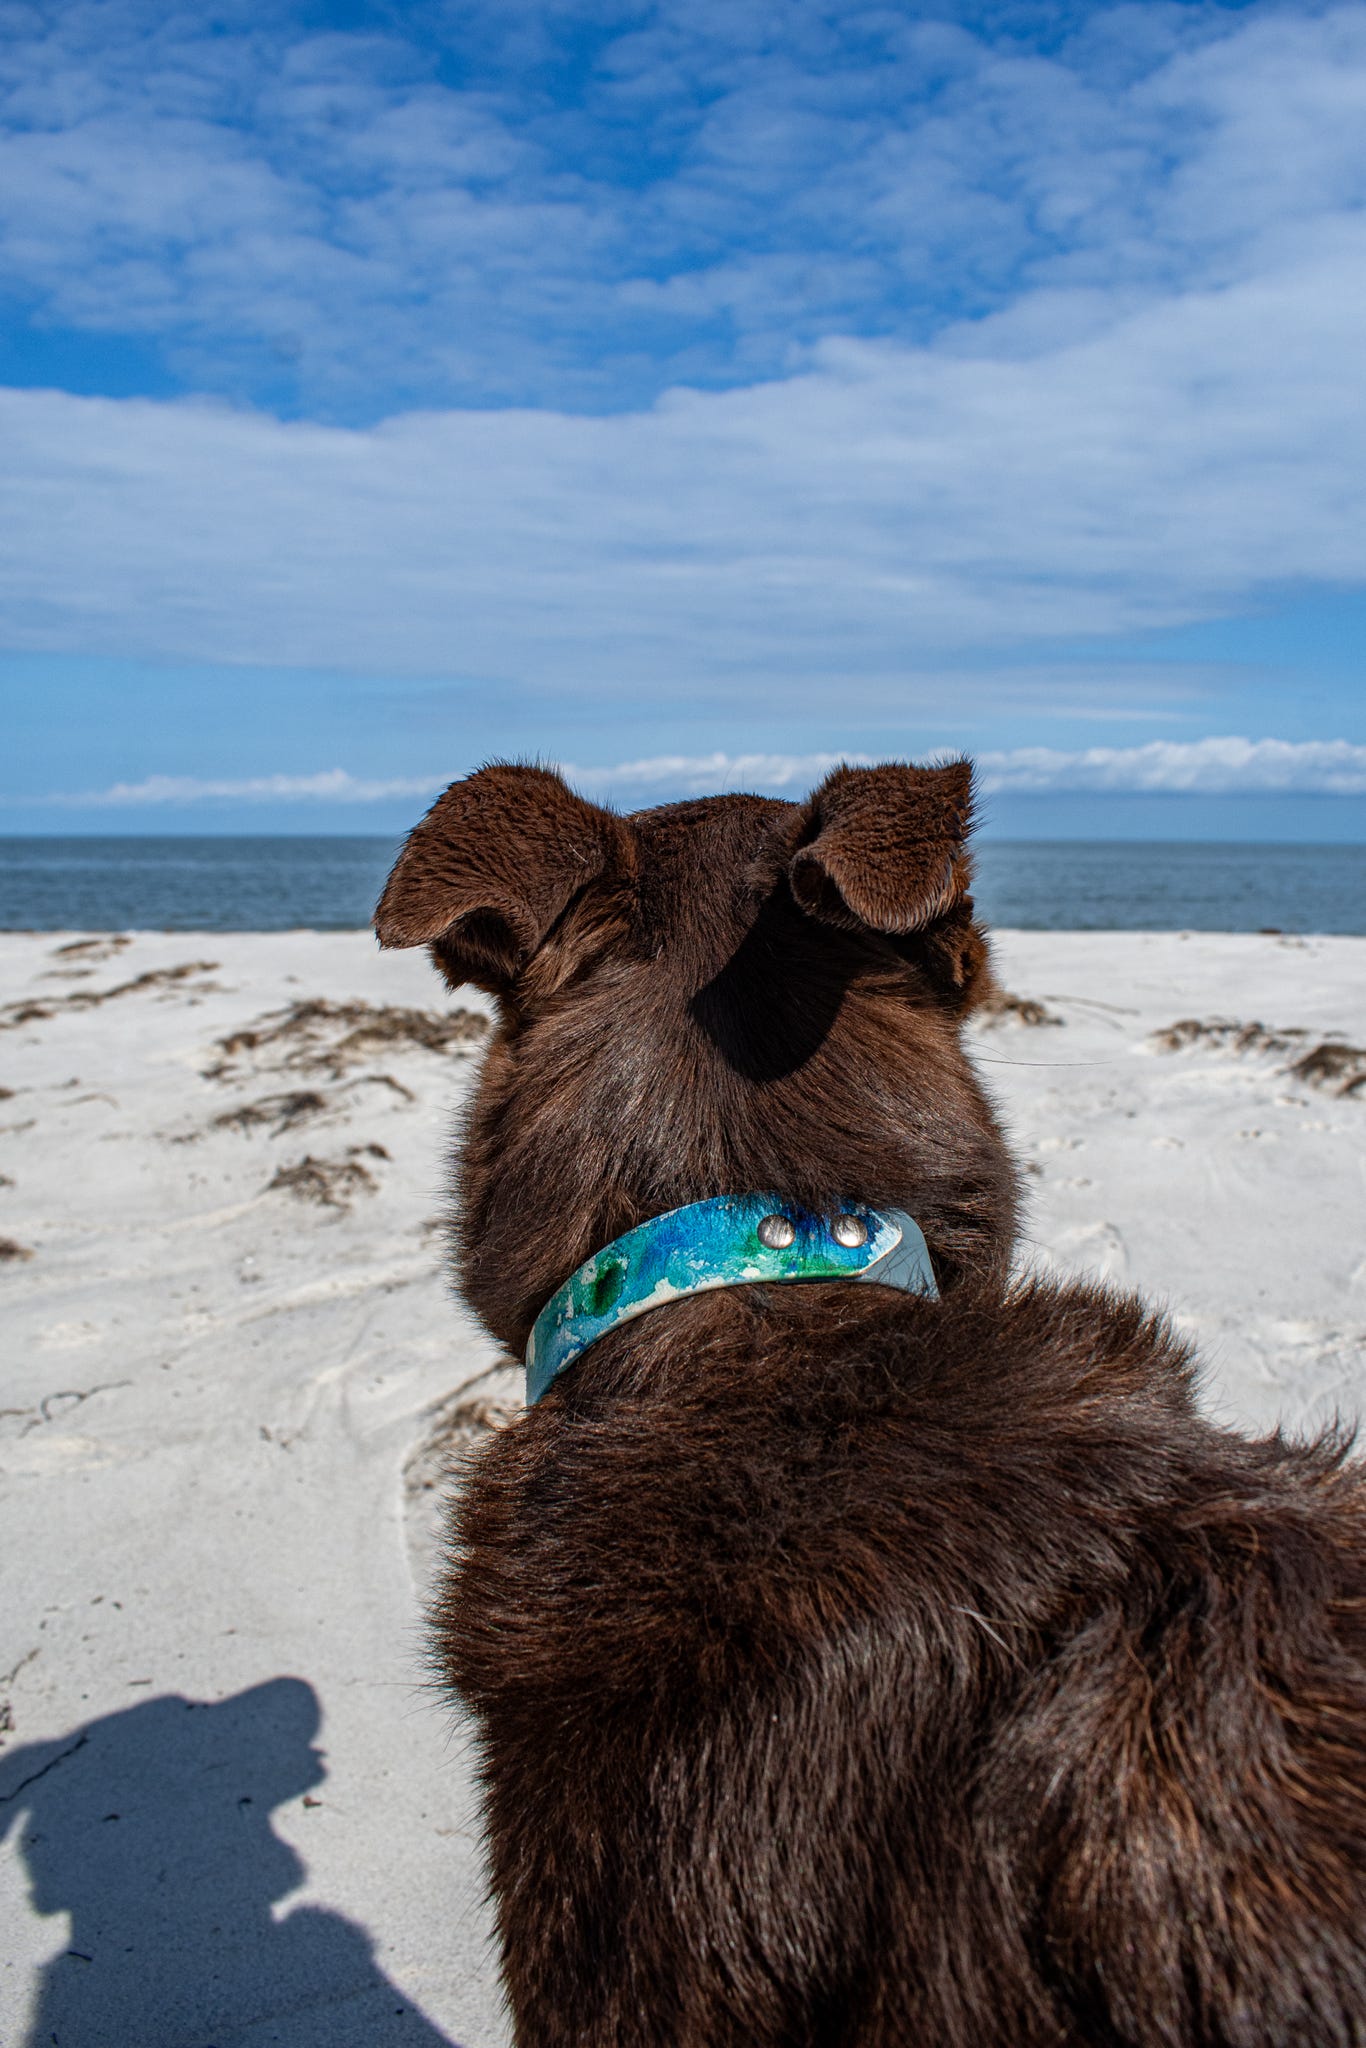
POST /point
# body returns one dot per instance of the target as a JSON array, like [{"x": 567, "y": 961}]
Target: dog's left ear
[{"x": 885, "y": 850}]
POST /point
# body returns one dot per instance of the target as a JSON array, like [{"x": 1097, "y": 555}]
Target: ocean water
[{"x": 279, "y": 884}]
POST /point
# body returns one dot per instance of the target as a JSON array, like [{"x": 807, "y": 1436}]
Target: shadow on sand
[{"x": 151, "y": 1828}]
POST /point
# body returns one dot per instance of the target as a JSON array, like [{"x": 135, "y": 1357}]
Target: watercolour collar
[{"x": 717, "y": 1243}]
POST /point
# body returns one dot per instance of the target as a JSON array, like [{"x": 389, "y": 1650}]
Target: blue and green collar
[{"x": 729, "y": 1241}]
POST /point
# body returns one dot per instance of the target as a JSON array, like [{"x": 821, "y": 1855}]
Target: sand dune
[{"x": 234, "y": 1810}]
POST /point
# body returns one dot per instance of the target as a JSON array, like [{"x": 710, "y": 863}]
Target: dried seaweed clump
[
  {"x": 331, "y": 1183},
  {"x": 280, "y": 1112},
  {"x": 455, "y": 1426},
  {"x": 1331, "y": 1064},
  {"x": 1224, "y": 1035},
  {"x": 102, "y": 947},
  {"x": 31, "y": 1012},
  {"x": 1001, "y": 1007},
  {"x": 318, "y": 1035}
]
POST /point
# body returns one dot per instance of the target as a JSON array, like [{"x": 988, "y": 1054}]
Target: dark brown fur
[{"x": 851, "y": 1668}]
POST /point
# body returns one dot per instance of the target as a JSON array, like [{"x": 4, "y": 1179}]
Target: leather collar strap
[{"x": 718, "y": 1243}]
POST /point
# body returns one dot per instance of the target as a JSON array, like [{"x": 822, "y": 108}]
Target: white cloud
[
  {"x": 1210, "y": 767},
  {"x": 889, "y": 507},
  {"x": 700, "y": 774}
]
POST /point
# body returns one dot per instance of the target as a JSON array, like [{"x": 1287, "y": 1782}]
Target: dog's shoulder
[{"x": 801, "y": 1464}]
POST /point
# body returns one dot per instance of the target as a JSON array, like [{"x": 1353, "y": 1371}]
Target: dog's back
[{"x": 851, "y": 1667}]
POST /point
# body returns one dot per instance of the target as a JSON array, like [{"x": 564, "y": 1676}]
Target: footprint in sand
[
  {"x": 1295, "y": 1333},
  {"x": 68, "y": 1336},
  {"x": 1096, "y": 1248}
]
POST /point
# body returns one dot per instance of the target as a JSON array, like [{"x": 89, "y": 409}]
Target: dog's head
[{"x": 728, "y": 996}]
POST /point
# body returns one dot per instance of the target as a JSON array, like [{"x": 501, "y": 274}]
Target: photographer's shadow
[{"x": 151, "y": 1828}]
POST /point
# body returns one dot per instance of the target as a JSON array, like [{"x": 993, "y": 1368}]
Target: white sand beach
[{"x": 234, "y": 1810}]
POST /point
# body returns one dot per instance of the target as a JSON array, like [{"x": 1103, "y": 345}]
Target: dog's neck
[{"x": 728, "y": 1241}]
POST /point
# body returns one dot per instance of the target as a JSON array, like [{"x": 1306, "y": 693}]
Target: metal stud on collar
[
  {"x": 777, "y": 1232},
  {"x": 849, "y": 1230}
]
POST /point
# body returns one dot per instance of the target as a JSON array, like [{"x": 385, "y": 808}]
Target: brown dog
[{"x": 852, "y": 1667}]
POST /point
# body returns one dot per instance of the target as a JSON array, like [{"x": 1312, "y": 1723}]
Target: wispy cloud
[
  {"x": 331, "y": 786},
  {"x": 887, "y": 506},
  {"x": 1211, "y": 767}
]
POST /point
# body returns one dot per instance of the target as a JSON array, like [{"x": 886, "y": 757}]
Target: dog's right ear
[
  {"x": 885, "y": 848},
  {"x": 488, "y": 871}
]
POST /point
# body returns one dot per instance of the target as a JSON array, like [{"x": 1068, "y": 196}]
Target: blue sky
[{"x": 691, "y": 393}]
